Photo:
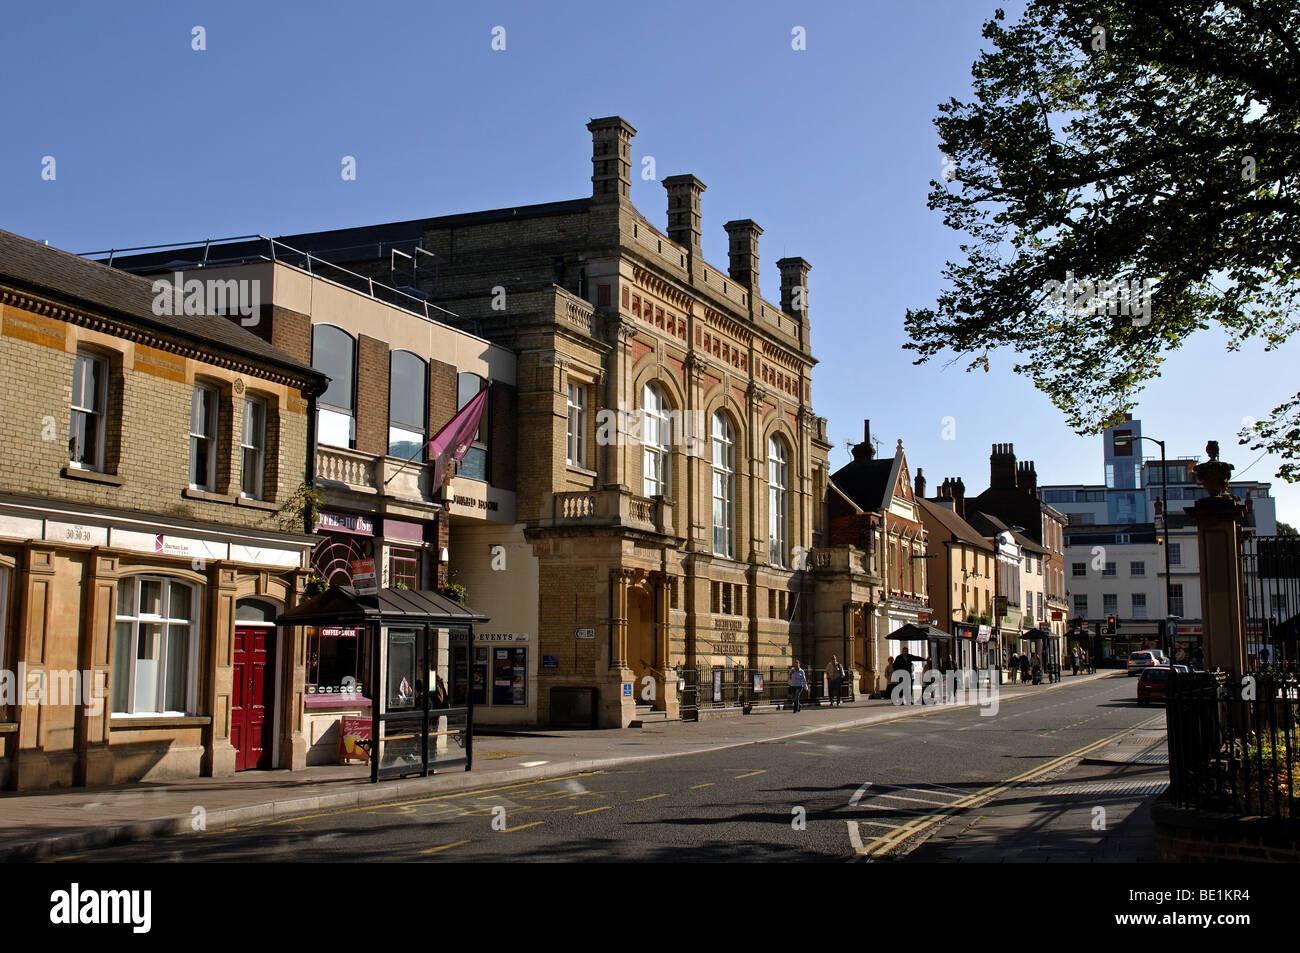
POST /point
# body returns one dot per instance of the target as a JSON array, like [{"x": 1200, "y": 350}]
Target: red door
[{"x": 253, "y": 698}]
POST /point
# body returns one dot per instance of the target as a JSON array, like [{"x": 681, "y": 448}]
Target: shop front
[{"x": 495, "y": 671}]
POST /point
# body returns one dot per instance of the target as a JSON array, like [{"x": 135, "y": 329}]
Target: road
[{"x": 871, "y": 792}]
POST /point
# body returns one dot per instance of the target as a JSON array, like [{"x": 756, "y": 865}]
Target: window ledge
[
  {"x": 93, "y": 476},
  {"x": 157, "y": 721},
  {"x": 256, "y": 504},
  {"x": 574, "y": 468},
  {"x": 193, "y": 494},
  {"x": 8, "y": 727}
]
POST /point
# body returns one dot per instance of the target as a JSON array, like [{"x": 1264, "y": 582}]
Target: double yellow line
[{"x": 885, "y": 843}]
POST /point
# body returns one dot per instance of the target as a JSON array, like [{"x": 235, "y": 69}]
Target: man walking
[
  {"x": 835, "y": 672},
  {"x": 798, "y": 682}
]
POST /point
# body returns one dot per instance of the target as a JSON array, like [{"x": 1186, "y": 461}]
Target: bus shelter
[
  {"x": 414, "y": 728},
  {"x": 1048, "y": 647}
]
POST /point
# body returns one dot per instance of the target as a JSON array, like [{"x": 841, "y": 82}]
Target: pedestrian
[
  {"x": 889, "y": 670},
  {"x": 835, "y": 671},
  {"x": 1015, "y": 665},
  {"x": 798, "y": 682},
  {"x": 1198, "y": 659},
  {"x": 903, "y": 663},
  {"x": 1074, "y": 661},
  {"x": 1024, "y": 667},
  {"x": 1036, "y": 664}
]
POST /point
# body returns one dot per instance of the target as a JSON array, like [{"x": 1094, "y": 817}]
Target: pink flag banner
[{"x": 453, "y": 441}]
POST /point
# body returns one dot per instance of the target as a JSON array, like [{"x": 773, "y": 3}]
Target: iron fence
[
  {"x": 1271, "y": 579},
  {"x": 1235, "y": 748},
  {"x": 739, "y": 686}
]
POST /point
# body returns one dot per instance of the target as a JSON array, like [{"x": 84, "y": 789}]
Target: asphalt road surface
[{"x": 873, "y": 792}]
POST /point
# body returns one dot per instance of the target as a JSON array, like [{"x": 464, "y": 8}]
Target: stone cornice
[{"x": 121, "y": 329}]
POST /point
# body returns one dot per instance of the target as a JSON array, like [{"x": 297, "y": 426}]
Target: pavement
[{"x": 45, "y": 824}]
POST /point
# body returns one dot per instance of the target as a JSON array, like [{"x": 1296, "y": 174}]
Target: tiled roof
[{"x": 31, "y": 266}]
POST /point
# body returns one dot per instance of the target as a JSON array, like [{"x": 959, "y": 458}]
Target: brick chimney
[
  {"x": 1002, "y": 467},
  {"x": 959, "y": 497},
  {"x": 611, "y": 159},
  {"x": 794, "y": 275},
  {"x": 1027, "y": 477},
  {"x": 919, "y": 484},
  {"x": 865, "y": 450},
  {"x": 684, "y": 193},
  {"x": 742, "y": 250}
]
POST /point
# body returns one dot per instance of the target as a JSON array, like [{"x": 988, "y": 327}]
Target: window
[
  {"x": 408, "y": 404},
  {"x": 89, "y": 408},
  {"x": 1276, "y": 606},
  {"x": 1110, "y": 570},
  {"x": 778, "y": 486},
  {"x": 1176, "y": 555},
  {"x": 153, "y": 647},
  {"x": 656, "y": 442},
  {"x": 203, "y": 437},
  {"x": 475, "y": 464},
  {"x": 1121, "y": 539},
  {"x": 576, "y": 438},
  {"x": 1109, "y": 603},
  {"x": 1078, "y": 569},
  {"x": 1041, "y": 614},
  {"x": 724, "y": 485},
  {"x": 333, "y": 352},
  {"x": 403, "y": 568},
  {"x": 1176, "y": 599},
  {"x": 1139, "y": 605},
  {"x": 1137, "y": 568},
  {"x": 252, "y": 445},
  {"x": 1081, "y": 605}
]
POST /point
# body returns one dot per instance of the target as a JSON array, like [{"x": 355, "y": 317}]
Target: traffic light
[{"x": 1110, "y": 625}]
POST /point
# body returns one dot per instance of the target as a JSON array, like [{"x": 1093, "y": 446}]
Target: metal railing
[
  {"x": 1235, "y": 749},
  {"x": 251, "y": 249},
  {"x": 1271, "y": 577},
  {"x": 716, "y": 687}
]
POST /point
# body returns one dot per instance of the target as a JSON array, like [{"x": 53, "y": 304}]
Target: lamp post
[{"x": 1164, "y": 511}]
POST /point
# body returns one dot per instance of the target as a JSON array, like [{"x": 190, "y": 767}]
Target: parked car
[
  {"x": 1154, "y": 680},
  {"x": 1139, "y": 660}
]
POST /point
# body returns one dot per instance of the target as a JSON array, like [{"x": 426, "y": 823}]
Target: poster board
[{"x": 354, "y": 738}]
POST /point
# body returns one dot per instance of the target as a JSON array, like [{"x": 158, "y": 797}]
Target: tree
[
  {"x": 1127, "y": 176},
  {"x": 1286, "y": 529}
]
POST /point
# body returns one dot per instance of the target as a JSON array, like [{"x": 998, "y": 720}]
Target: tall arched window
[
  {"x": 408, "y": 402},
  {"x": 475, "y": 464},
  {"x": 334, "y": 353},
  {"x": 778, "y": 502},
  {"x": 656, "y": 442},
  {"x": 724, "y": 486}
]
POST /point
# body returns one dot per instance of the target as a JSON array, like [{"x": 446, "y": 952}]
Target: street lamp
[{"x": 1126, "y": 440}]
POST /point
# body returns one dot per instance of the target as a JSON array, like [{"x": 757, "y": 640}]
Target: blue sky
[{"x": 830, "y": 149}]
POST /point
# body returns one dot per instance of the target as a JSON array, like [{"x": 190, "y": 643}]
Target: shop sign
[
  {"x": 985, "y": 632},
  {"x": 76, "y": 533},
  {"x": 354, "y": 738},
  {"x": 584, "y": 634},
  {"x": 550, "y": 661},
  {"x": 337, "y": 632},
  {"x": 500, "y": 636},
  {"x": 363, "y": 576},
  {"x": 345, "y": 523}
]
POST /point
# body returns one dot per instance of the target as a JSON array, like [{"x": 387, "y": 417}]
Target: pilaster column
[
  {"x": 619, "y": 581},
  {"x": 99, "y": 611},
  {"x": 1218, "y": 544}
]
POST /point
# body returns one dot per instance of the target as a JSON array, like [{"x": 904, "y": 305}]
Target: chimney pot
[
  {"x": 794, "y": 287},
  {"x": 742, "y": 251},
  {"x": 684, "y": 193}
]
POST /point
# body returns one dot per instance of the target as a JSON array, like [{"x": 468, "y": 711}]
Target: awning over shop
[
  {"x": 1037, "y": 635},
  {"x": 919, "y": 633},
  {"x": 342, "y": 606}
]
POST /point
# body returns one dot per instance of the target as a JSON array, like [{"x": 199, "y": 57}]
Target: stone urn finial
[{"x": 1213, "y": 474}]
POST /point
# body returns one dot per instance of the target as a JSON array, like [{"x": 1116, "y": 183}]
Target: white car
[{"x": 1139, "y": 660}]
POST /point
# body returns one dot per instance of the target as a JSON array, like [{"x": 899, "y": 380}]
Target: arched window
[
  {"x": 778, "y": 493},
  {"x": 408, "y": 402},
  {"x": 153, "y": 647},
  {"x": 475, "y": 464},
  {"x": 334, "y": 353},
  {"x": 656, "y": 441},
  {"x": 724, "y": 486}
]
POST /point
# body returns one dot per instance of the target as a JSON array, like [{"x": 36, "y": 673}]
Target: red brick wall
[{"x": 372, "y": 395}]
